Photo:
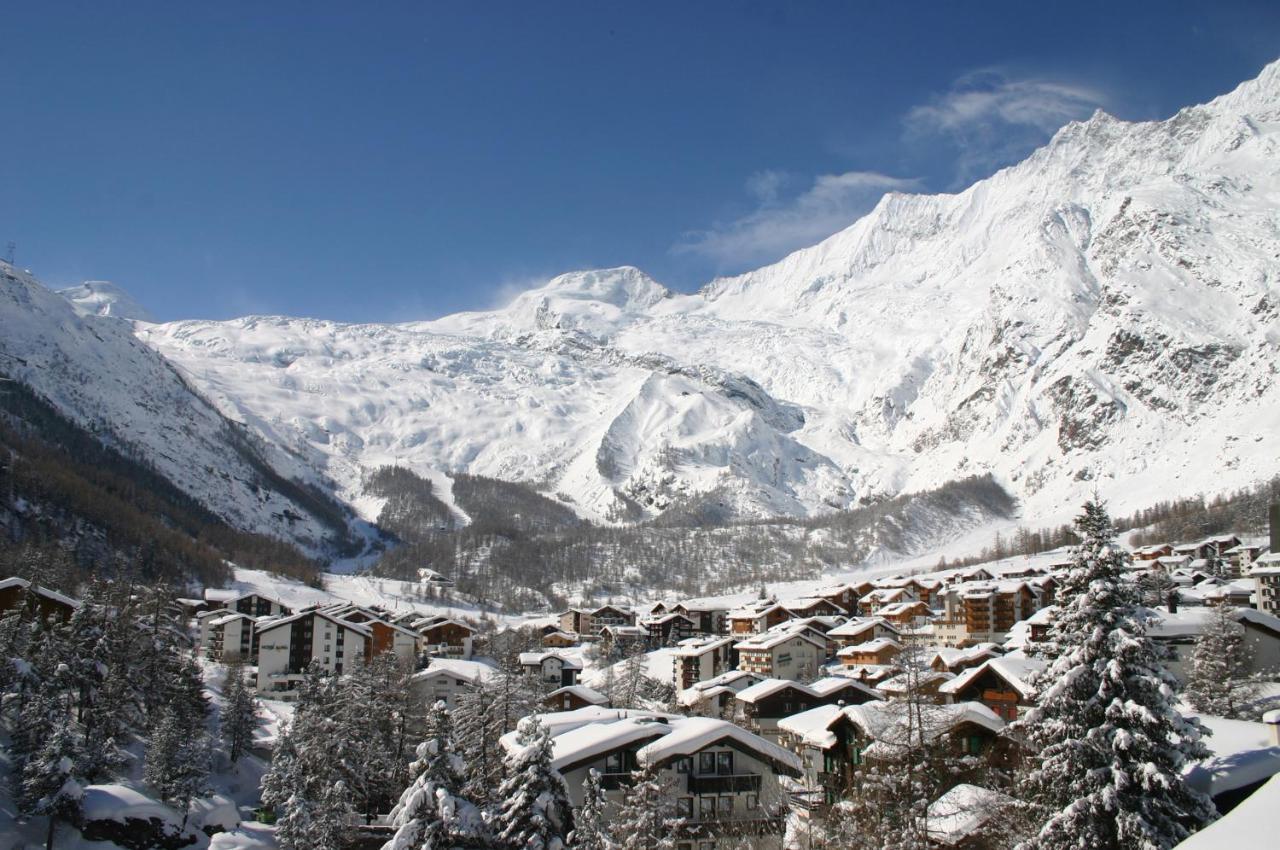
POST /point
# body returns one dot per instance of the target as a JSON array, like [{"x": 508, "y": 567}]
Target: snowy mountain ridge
[{"x": 1103, "y": 315}]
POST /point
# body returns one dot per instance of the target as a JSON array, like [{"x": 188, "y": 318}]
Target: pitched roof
[
  {"x": 771, "y": 639},
  {"x": 1015, "y": 671}
]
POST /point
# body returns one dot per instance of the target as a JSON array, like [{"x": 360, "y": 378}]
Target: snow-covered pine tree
[
  {"x": 1218, "y": 682},
  {"x": 534, "y": 812},
  {"x": 1108, "y": 745},
  {"x": 239, "y": 712},
  {"x": 590, "y": 829},
  {"x": 647, "y": 818},
  {"x": 430, "y": 814},
  {"x": 177, "y": 760},
  {"x": 477, "y": 729},
  {"x": 49, "y": 786}
]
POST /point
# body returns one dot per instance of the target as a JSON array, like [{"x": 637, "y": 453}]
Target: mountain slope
[
  {"x": 1104, "y": 315},
  {"x": 92, "y": 370}
]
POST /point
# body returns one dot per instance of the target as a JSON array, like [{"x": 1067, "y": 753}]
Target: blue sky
[{"x": 385, "y": 162}]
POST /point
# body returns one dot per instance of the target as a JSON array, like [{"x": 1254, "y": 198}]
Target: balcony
[{"x": 724, "y": 783}]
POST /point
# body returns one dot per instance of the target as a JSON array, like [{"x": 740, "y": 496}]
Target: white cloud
[
  {"x": 780, "y": 224},
  {"x": 993, "y": 120}
]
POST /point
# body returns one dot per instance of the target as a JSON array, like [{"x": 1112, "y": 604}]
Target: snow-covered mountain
[
  {"x": 1102, "y": 316},
  {"x": 96, "y": 372}
]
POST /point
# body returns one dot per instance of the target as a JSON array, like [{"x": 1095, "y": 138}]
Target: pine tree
[
  {"x": 1218, "y": 682},
  {"x": 177, "y": 760},
  {"x": 431, "y": 815},
  {"x": 647, "y": 818},
  {"x": 535, "y": 812},
  {"x": 239, "y": 713},
  {"x": 590, "y": 828},
  {"x": 477, "y": 729},
  {"x": 1109, "y": 746},
  {"x": 49, "y": 786}
]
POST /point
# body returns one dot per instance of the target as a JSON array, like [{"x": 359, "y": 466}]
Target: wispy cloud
[
  {"x": 992, "y": 119},
  {"x": 781, "y": 221}
]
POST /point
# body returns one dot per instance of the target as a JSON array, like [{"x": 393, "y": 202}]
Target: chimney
[{"x": 1275, "y": 527}]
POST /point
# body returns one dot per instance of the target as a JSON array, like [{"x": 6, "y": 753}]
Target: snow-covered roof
[
  {"x": 223, "y": 618},
  {"x": 1250, "y": 824},
  {"x": 472, "y": 671},
  {"x": 1014, "y": 671},
  {"x": 360, "y": 628},
  {"x": 831, "y": 684},
  {"x": 688, "y": 735},
  {"x": 692, "y": 696},
  {"x": 40, "y": 590},
  {"x": 858, "y": 626},
  {"x": 1242, "y": 754},
  {"x": 534, "y": 659},
  {"x": 962, "y": 811},
  {"x": 772, "y": 639},
  {"x": 875, "y": 645},
  {"x": 813, "y": 727},
  {"x": 889, "y": 722},
  {"x": 903, "y": 682},
  {"x": 693, "y": 647},
  {"x": 769, "y": 687},
  {"x": 582, "y": 692}
]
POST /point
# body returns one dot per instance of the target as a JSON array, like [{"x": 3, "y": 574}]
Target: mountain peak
[
  {"x": 103, "y": 298},
  {"x": 625, "y": 287}
]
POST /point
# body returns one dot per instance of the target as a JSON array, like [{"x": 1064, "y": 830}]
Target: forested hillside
[
  {"x": 525, "y": 551},
  {"x": 62, "y": 489}
]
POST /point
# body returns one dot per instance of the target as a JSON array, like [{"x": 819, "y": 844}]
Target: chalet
[
  {"x": 872, "y": 602},
  {"x": 445, "y": 637},
  {"x": 953, "y": 660},
  {"x": 844, "y": 595},
  {"x": 610, "y": 615},
  {"x": 814, "y": 606},
  {"x": 41, "y": 602},
  {"x": 621, "y": 640},
  {"x": 724, "y": 779},
  {"x": 1151, "y": 553},
  {"x": 446, "y": 679},
  {"x": 1177, "y": 631},
  {"x": 757, "y": 619},
  {"x": 576, "y": 621},
  {"x": 879, "y": 652},
  {"x": 905, "y": 615},
  {"x": 925, "y": 589},
  {"x": 553, "y": 668},
  {"x": 862, "y": 630},
  {"x": 714, "y": 697},
  {"x": 709, "y": 615},
  {"x": 761, "y": 706},
  {"x": 789, "y": 655},
  {"x": 838, "y": 743},
  {"x": 1001, "y": 684},
  {"x": 699, "y": 659},
  {"x": 921, "y": 684},
  {"x": 573, "y": 697},
  {"x": 669, "y": 629},
  {"x": 557, "y": 639}
]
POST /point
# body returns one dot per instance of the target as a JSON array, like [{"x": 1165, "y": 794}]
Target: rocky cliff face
[{"x": 1103, "y": 316}]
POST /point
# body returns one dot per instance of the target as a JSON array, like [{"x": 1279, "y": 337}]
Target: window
[
  {"x": 684, "y": 765},
  {"x": 706, "y": 807},
  {"x": 706, "y": 762},
  {"x": 724, "y": 763},
  {"x": 973, "y": 745},
  {"x": 706, "y": 845},
  {"x": 753, "y": 802},
  {"x": 726, "y": 807},
  {"x": 684, "y": 807},
  {"x": 684, "y": 845},
  {"x": 613, "y": 763}
]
